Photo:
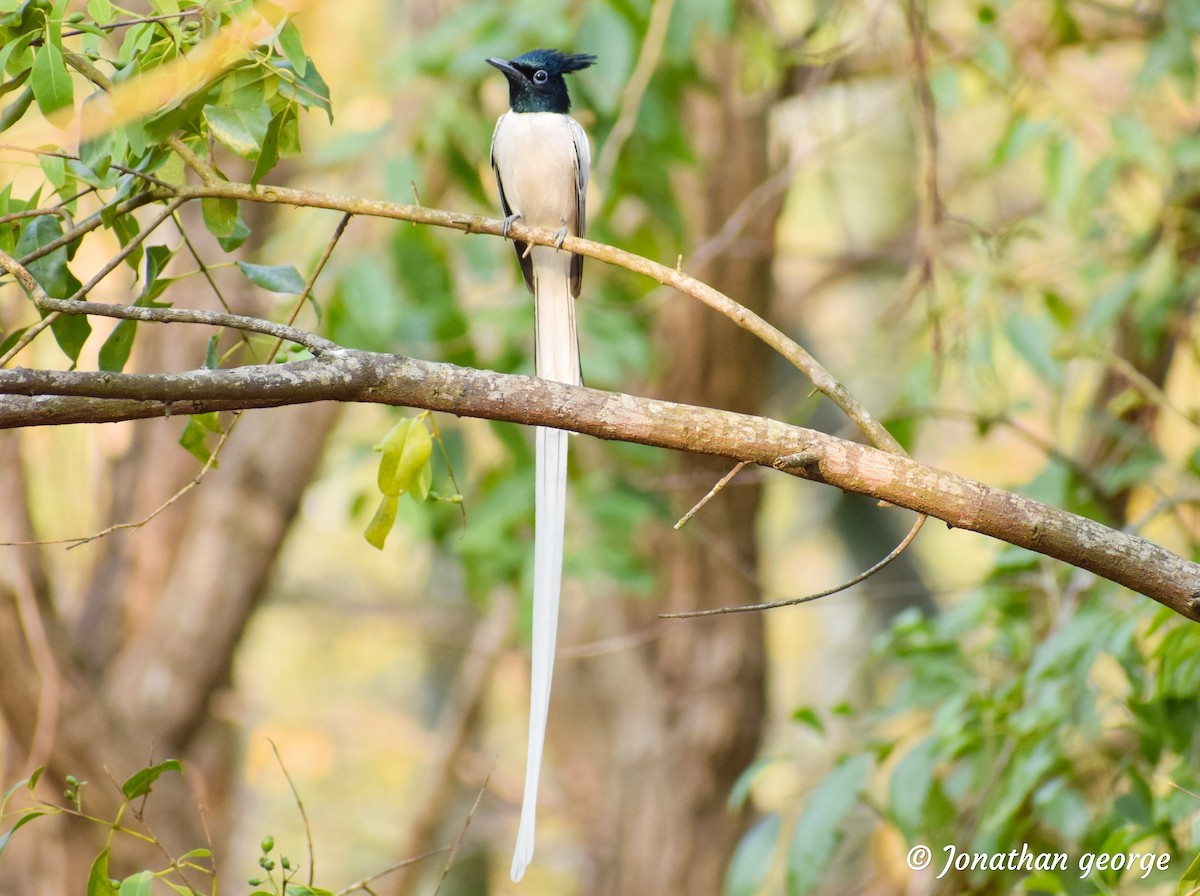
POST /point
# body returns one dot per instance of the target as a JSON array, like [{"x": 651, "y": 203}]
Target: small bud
[
  {"x": 285, "y": 863},
  {"x": 268, "y": 844}
]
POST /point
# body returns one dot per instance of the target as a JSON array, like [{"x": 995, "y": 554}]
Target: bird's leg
[
  {"x": 560, "y": 236},
  {"x": 508, "y": 223}
]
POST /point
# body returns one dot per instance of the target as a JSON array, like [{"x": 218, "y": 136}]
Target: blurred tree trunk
[
  {"x": 660, "y": 733},
  {"x": 127, "y": 669},
  {"x": 1127, "y": 419}
]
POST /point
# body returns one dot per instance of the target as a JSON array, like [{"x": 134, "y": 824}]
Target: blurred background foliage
[{"x": 1015, "y": 298}]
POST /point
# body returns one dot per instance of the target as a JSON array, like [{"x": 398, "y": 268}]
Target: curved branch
[
  {"x": 822, "y": 379},
  {"x": 347, "y": 375}
]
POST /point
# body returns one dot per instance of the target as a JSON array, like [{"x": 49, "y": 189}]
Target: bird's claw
[
  {"x": 560, "y": 236},
  {"x": 507, "y": 223}
]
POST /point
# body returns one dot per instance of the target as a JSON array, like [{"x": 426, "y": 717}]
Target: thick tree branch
[{"x": 347, "y": 375}]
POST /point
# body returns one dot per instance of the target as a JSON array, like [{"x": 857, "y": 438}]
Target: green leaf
[
  {"x": 909, "y": 788},
  {"x": 304, "y": 890},
  {"x": 392, "y": 448},
  {"x": 806, "y": 715},
  {"x": 140, "y": 782},
  {"x": 223, "y": 218},
  {"x": 99, "y": 883},
  {"x": 309, "y": 89},
  {"x": 114, "y": 353},
  {"x": 1033, "y": 338},
  {"x": 1190, "y": 881},
  {"x": 1022, "y": 133},
  {"x": 96, "y": 152},
  {"x": 12, "y": 49},
  {"x": 282, "y": 278},
  {"x": 241, "y": 130},
  {"x": 220, "y": 216},
  {"x": 16, "y": 109},
  {"x": 137, "y": 884},
  {"x": 381, "y": 523},
  {"x": 817, "y": 832},
  {"x": 406, "y": 451},
  {"x": 751, "y": 860},
  {"x": 422, "y": 483},
  {"x": 193, "y": 440},
  {"x": 740, "y": 791},
  {"x": 101, "y": 11},
  {"x": 211, "y": 359},
  {"x": 20, "y": 823},
  {"x": 268, "y": 155},
  {"x": 50, "y": 80},
  {"x": 293, "y": 48},
  {"x": 1134, "y": 139},
  {"x": 70, "y": 330},
  {"x": 11, "y": 339}
]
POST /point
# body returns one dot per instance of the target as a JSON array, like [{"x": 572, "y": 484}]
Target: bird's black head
[{"x": 535, "y": 79}]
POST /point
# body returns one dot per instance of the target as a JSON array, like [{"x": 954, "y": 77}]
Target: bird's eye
[{"x": 540, "y": 77}]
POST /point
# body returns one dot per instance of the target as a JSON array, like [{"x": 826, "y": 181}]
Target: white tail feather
[{"x": 557, "y": 359}]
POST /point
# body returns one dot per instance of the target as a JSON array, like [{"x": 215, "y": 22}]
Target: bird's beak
[{"x": 505, "y": 66}]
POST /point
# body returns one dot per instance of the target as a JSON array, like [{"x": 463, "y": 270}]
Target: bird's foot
[
  {"x": 560, "y": 236},
  {"x": 507, "y": 223}
]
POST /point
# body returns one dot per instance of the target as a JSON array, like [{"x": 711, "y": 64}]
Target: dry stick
[
  {"x": 312, "y": 860},
  {"x": 364, "y": 883},
  {"x": 211, "y": 461},
  {"x": 73, "y": 302},
  {"x": 312, "y": 278},
  {"x": 461, "y": 834},
  {"x": 635, "y": 90},
  {"x": 41, "y": 744},
  {"x": 315, "y": 344},
  {"x": 721, "y": 483},
  {"x": 929, "y": 202},
  {"x": 87, "y": 225},
  {"x": 454, "y": 725},
  {"x": 794, "y": 601}
]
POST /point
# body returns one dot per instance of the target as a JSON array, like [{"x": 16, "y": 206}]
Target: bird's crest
[{"x": 554, "y": 61}]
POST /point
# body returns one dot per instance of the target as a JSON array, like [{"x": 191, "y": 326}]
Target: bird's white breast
[{"x": 536, "y": 155}]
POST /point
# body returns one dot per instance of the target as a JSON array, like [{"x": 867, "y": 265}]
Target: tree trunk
[
  {"x": 119, "y": 673},
  {"x": 660, "y": 733}
]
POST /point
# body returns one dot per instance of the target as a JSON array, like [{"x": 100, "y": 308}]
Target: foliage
[
  {"x": 1043, "y": 708},
  {"x": 183, "y": 873},
  {"x": 1012, "y": 720},
  {"x": 1011, "y": 717},
  {"x": 247, "y": 99}
]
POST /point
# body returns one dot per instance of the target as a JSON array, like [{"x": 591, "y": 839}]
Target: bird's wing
[
  {"x": 583, "y": 161},
  {"x": 522, "y": 258}
]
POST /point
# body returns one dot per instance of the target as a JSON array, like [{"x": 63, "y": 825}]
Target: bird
[{"x": 540, "y": 156}]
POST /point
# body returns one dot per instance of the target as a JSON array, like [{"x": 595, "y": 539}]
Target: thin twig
[
  {"x": 929, "y": 201},
  {"x": 721, "y": 483},
  {"x": 312, "y": 862},
  {"x": 635, "y": 90},
  {"x": 462, "y": 833},
  {"x": 793, "y": 601},
  {"x": 51, "y": 305},
  {"x": 315, "y": 344},
  {"x": 364, "y": 883}
]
